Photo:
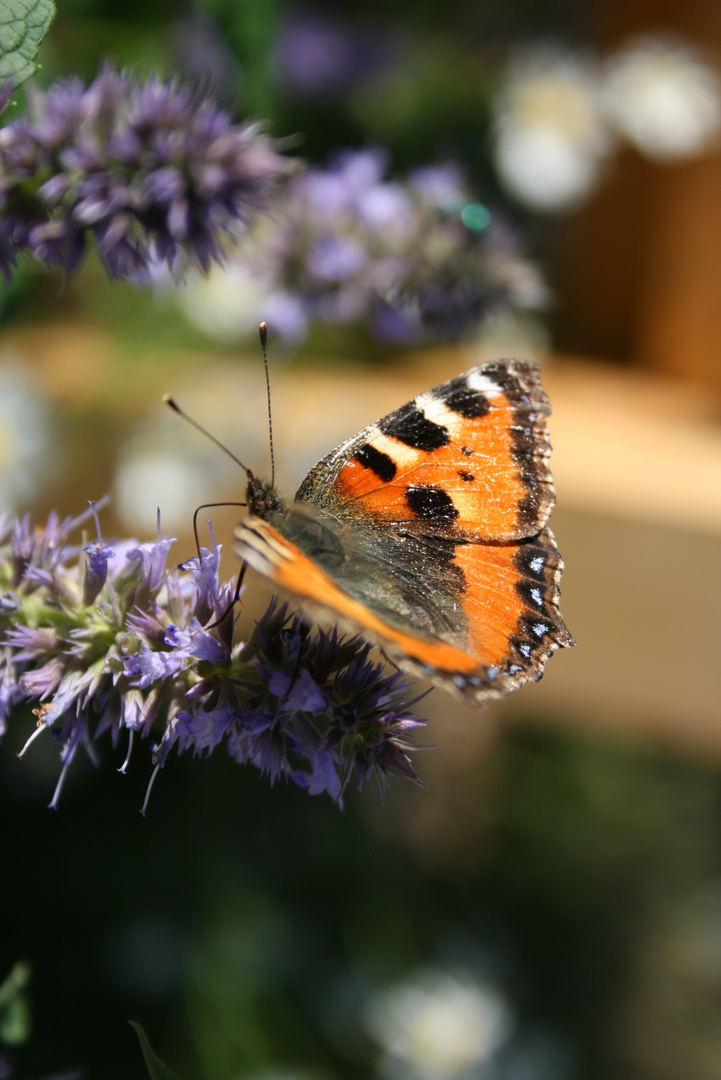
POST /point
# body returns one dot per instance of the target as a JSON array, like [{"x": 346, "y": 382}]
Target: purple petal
[
  {"x": 324, "y": 776},
  {"x": 205, "y": 729},
  {"x": 152, "y": 558},
  {"x": 302, "y": 694},
  {"x": 39, "y": 682},
  {"x": 97, "y": 556},
  {"x": 149, "y": 667},
  {"x": 196, "y": 642}
]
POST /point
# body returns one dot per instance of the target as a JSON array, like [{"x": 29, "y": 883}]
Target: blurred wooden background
[{"x": 638, "y": 269}]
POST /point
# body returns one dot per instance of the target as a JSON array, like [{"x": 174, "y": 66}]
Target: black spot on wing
[
  {"x": 467, "y": 476},
  {"x": 433, "y": 504},
  {"x": 379, "y": 463},
  {"x": 465, "y": 401},
  {"x": 538, "y": 559},
  {"x": 411, "y": 427},
  {"x": 535, "y": 596}
]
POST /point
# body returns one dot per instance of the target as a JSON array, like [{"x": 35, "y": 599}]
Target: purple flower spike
[
  {"x": 103, "y": 638},
  {"x": 150, "y": 171},
  {"x": 416, "y": 258}
]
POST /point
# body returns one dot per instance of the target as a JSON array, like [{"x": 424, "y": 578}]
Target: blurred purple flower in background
[
  {"x": 151, "y": 171},
  {"x": 319, "y": 55},
  {"x": 106, "y": 638},
  {"x": 411, "y": 258},
  {"x": 205, "y": 59}
]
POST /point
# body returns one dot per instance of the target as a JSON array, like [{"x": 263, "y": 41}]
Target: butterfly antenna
[
  {"x": 263, "y": 330},
  {"x": 198, "y": 427}
]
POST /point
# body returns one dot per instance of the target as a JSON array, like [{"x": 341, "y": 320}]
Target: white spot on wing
[
  {"x": 435, "y": 410},
  {"x": 430, "y": 407},
  {"x": 536, "y": 564},
  {"x": 482, "y": 384},
  {"x": 405, "y": 457}
]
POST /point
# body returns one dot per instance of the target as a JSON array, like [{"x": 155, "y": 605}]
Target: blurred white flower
[
  {"x": 150, "y": 476},
  {"x": 230, "y": 301},
  {"x": 664, "y": 97},
  {"x": 28, "y": 453},
  {"x": 550, "y": 134},
  {"x": 436, "y": 1026},
  {"x": 224, "y": 304},
  {"x": 164, "y": 464}
]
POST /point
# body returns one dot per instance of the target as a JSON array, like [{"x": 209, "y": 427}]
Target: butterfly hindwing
[{"x": 494, "y": 617}]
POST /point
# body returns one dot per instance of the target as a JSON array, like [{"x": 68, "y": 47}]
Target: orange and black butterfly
[{"x": 427, "y": 532}]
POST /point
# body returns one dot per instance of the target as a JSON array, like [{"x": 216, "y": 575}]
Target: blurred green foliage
[
  {"x": 15, "y": 1021},
  {"x": 248, "y": 928}
]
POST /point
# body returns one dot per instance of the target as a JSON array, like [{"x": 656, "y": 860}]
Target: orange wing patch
[
  {"x": 510, "y": 601},
  {"x": 475, "y": 467},
  {"x": 491, "y": 601}
]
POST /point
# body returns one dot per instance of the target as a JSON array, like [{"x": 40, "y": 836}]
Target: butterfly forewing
[{"x": 469, "y": 457}]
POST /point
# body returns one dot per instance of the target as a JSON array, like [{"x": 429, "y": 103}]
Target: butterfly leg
[
  {"x": 208, "y": 506},
  {"x": 388, "y": 659}
]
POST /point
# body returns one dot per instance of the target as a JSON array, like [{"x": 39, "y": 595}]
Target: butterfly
[{"x": 427, "y": 533}]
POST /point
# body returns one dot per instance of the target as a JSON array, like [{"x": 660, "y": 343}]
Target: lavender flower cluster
[
  {"x": 152, "y": 172},
  {"x": 404, "y": 256},
  {"x": 107, "y": 639}
]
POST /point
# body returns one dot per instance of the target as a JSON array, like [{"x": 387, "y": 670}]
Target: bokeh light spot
[{"x": 475, "y": 216}]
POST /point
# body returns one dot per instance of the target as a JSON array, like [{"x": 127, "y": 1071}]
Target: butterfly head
[{"x": 261, "y": 496}]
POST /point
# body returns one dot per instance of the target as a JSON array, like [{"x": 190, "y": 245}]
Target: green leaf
[
  {"x": 157, "y": 1070},
  {"x": 15, "y": 1022},
  {"x": 23, "y": 25}
]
